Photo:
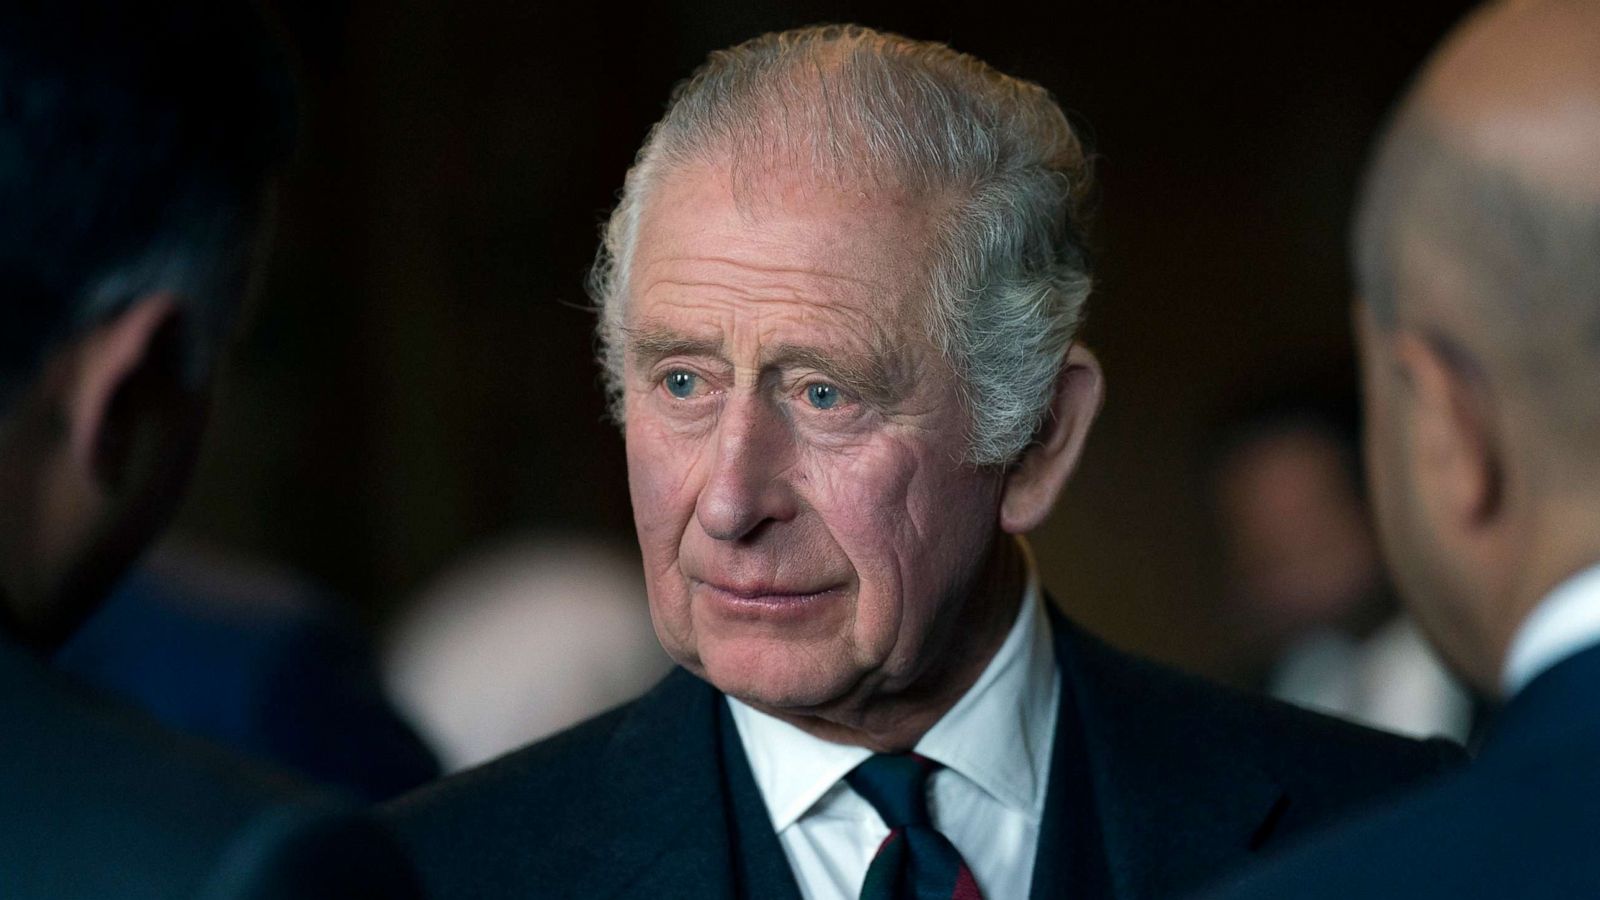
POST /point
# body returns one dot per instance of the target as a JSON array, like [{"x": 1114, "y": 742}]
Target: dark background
[{"x": 418, "y": 376}]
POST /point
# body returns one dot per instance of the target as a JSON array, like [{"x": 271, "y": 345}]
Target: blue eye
[
  {"x": 823, "y": 396},
  {"x": 680, "y": 384}
]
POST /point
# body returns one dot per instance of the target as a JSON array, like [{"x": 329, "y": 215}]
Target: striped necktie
[{"x": 914, "y": 862}]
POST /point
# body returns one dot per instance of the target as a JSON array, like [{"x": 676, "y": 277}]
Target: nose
[{"x": 749, "y": 482}]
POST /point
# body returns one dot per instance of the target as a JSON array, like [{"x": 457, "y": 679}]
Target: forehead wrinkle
[{"x": 778, "y": 271}]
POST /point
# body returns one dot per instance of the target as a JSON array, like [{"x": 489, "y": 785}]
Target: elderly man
[
  {"x": 1478, "y": 251},
  {"x": 136, "y": 144},
  {"x": 838, "y": 302}
]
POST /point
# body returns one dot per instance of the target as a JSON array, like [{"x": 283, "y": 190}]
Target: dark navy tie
[{"x": 914, "y": 862}]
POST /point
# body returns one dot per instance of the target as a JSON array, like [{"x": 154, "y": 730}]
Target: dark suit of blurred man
[
  {"x": 1478, "y": 248},
  {"x": 136, "y": 145}
]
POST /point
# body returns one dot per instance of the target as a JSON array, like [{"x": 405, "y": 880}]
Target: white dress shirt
[
  {"x": 1565, "y": 622},
  {"x": 995, "y": 746}
]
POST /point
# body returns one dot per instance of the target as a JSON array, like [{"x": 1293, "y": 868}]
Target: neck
[
  {"x": 1563, "y": 544},
  {"x": 958, "y": 653}
]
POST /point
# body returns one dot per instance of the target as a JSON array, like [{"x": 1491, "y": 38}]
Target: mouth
[{"x": 759, "y": 595}]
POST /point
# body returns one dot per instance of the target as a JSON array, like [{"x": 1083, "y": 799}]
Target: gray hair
[{"x": 1013, "y": 270}]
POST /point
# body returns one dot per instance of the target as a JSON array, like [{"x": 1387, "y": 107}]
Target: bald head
[
  {"x": 1478, "y": 256},
  {"x": 1519, "y": 85},
  {"x": 1480, "y": 219}
]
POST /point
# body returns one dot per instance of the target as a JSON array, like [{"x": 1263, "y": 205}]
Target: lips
[{"x": 766, "y": 593}]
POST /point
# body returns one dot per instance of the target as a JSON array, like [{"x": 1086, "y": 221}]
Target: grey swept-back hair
[{"x": 1012, "y": 269}]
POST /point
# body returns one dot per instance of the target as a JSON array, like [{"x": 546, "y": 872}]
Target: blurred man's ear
[
  {"x": 131, "y": 411},
  {"x": 1034, "y": 483},
  {"x": 1455, "y": 454},
  {"x": 97, "y": 456}
]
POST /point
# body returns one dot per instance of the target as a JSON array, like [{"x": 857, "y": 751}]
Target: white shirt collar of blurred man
[{"x": 1565, "y": 623}]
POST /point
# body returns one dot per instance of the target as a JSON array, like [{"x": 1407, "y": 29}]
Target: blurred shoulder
[
  {"x": 100, "y": 797},
  {"x": 1473, "y": 834}
]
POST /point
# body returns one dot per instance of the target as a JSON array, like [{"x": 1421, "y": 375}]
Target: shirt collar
[
  {"x": 793, "y": 769},
  {"x": 998, "y": 735},
  {"x": 1566, "y": 621}
]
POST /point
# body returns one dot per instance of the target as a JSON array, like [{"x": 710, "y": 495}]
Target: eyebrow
[
  {"x": 875, "y": 376},
  {"x": 648, "y": 346}
]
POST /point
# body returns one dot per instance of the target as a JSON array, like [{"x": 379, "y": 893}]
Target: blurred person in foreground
[
  {"x": 1478, "y": 258},
  {"x": 136, "y": 145},
  {"x": 1305, "y": 580},
  {"x": 838, "y": 304}
]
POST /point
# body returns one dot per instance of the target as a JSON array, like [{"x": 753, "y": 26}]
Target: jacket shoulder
[
  {"x": 1439, "y": 842},
  {"x": 524, "y": 785},
  {"x": 1324, "y": 764},
  {"x": 99, "y": 798},
  {"x": 579, "y": 813}
]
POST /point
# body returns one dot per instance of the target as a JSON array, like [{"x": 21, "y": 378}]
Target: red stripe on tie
[
  {"x": 966, "y": 886},
  {"x": 887, "y": 840}
]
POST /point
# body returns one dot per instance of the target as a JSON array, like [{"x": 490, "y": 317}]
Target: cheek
[
  {"x": 861, "y": 496},
  {"x": 911, "y": 521},
  {"x": 660, "y": 483},
  {"x": 661, "y": 474}
]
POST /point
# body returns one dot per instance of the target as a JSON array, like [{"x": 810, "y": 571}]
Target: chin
[{"x": 777, "y": 675}]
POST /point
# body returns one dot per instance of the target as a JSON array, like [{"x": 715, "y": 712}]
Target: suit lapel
[
  {"x": 1171, "y": 803},
  {"x": 659, "y": 825},
  {"x": 682, "y": 816},
  {"x": 757, "y": 856},
  {"x": 1071, "y": 859}
]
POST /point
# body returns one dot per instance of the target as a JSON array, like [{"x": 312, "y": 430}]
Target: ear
[
  {"x": 1455, "y": 453},
  {"x": 1035, "y": 481},
  {"x": 129, "y": 399}
]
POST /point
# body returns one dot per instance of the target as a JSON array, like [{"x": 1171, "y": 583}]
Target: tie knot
[{"x": 896, "y": 784}]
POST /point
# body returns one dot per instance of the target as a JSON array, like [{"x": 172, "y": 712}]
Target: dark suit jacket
[
  {"x": 270, "y": 669},
  {"x": 97, "y": 802},
  {"x": 1522, "y": 822},
  {"x": 1158, "y": 782}
]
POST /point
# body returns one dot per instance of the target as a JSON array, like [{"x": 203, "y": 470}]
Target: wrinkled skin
[{"x": 812, "y": 538}]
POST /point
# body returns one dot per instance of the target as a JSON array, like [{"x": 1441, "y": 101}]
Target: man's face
[{"x": 795, "y": 442}]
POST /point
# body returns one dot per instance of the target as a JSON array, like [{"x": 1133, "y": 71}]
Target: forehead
[{"x": 791, "y": 250}]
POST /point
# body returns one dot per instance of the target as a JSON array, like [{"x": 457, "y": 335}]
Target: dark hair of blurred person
[{"x": 137, "y": 143}]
